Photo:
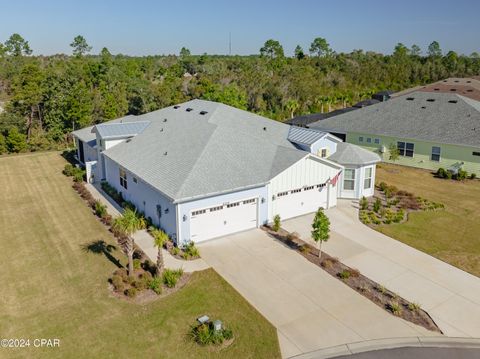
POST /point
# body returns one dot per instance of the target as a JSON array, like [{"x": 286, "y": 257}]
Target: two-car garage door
[{"x": 223, "y": 219}]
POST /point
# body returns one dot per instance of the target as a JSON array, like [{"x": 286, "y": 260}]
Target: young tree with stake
[{"x": 320, "y": 229}]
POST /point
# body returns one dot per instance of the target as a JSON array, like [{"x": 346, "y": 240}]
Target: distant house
[
  {"x": 305, "y": 120},
  {"x": 202, "y": 170},
  {"x": 430, "y": 129}
]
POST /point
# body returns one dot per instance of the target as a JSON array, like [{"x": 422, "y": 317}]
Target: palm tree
[
  {"x": 127, "y": 224},
  {"x": 159, "y": 239}
]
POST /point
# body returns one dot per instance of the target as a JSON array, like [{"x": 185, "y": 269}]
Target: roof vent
[
  {"x": 468, "y": 81},
  {"x": 456, "y": 81},
  {"x": 264, "y": 128},
  {"x": 423, "y": 107},
  {"x": 436, "y": 89},
  {"x": 444, "y": 80},
  {"x": 453, "y": 90},
  {"x": 164, "y": 120},
  {"x": 431, "y": 100},
  {"x": 176, "y": 107},
  {"x": 189, "y": 109},
  {"x": 410, "y": 98},
  {"x": 469, "y": 90},
  {"x": 452, "y": 101},
  {"x": 165, "y": 153},
  {"x": 127, "y": 141},
  {"x": 203, "y": 112},
  {"x": 161, "y": 130}
]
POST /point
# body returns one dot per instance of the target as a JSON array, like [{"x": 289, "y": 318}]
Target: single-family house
[
  {"x": 429, "y": 129},
  {"x": 202, "y": 170}
]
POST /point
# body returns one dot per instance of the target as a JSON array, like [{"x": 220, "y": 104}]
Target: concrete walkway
[
  {"x": 450, "y": 295},
  {"x": 310, "y": 309},
  {"x": 144, "y": 240}
]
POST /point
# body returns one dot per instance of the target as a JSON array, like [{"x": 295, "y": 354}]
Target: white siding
[
  {"x": 145, "y": 198},
  {"x": 359, "y": 190},
  {"x": 309, "y": 171}
]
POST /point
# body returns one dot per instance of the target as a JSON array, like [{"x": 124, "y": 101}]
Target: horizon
[{"x": 50, "y": 27}]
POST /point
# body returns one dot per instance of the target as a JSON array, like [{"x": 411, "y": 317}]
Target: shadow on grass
[{"x": 102, "y": 247}]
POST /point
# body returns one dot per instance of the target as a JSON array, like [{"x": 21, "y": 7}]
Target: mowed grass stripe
[{"x": 52, "y": 288}]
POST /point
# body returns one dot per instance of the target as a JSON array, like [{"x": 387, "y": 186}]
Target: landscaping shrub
[
  {"x": 304, "y": 249},
  {"x": 131, "y": 292},
  {"x": 139, "y": 284},
  {"x": 190, "y": 251},
  {"x": 345, "y": 274},
  {"x": 155, "y": 284},
  {"x": 137, "y": 263},
  {"x": 382, "y": 186},
  {"x": 170, "y": 277},
  {"x": 473, "y": 176},
  {"x": 175, "y": 251},
  {"x": 276, "y": 223},
  {"x": 413, "y": 306},
  {"x": 291, "y": 237},
  {"x": 376, "y": 205},
  {"x": 395, "y": 308},
  {"x": 460, "y": 175},
  {"x": 117, "y": 282},
  {"x": 100, "y": 209},
  {"x": 68, "y": 170},
  {"x": 381, "y": 289},
  {"x": 363, "y": 203},
  {"x": 205, "y": 334}
]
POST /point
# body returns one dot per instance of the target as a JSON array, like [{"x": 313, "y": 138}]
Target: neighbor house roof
[
  {"x": 120, "y": 129},
  {"x": 434, "y": 117},
  {"x": 349, "y": 154},
  {"x": 304, "y": 136},
  {"x": 202, "y": 148},
  {"x": 305, "y": 120}
]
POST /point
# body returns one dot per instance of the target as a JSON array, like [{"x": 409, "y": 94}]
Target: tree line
[{"x": 44, "y": 98}]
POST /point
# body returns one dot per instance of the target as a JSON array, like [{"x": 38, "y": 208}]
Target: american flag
[{"x": 334, "y": 180}]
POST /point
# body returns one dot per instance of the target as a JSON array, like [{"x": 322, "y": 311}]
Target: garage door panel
[
  {"x": 296, "y": 202},
  {"x": 220, "y": 220}
]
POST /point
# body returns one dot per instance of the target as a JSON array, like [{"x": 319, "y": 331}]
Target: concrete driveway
[
  {"x": 310, "y": 309},
  {"x": 450, "y": 295}
]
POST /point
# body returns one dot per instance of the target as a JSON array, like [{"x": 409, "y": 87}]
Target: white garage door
[
  {"x": 296, "y": 202},
  {"x": 220, "y": 220}
]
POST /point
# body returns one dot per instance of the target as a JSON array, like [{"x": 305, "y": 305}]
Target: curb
[{"x": 390, "y": 343}]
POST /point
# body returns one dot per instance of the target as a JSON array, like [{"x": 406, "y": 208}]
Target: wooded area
[{"x": 45, "y": 97}]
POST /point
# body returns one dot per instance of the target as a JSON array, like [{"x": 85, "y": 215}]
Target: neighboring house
[
  {"x": 468, "y": 87},
  {"x": 202, "y": 170},
  {"x": 305, "y": 120},
  {"x": 430, "y": 129}
]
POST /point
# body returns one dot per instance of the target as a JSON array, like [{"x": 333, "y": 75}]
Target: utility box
[
  {"x": 203, "y": 319},
  {"x": 217, "y": 325}
]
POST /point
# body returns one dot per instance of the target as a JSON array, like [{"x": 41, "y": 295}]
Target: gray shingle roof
[
  {"x": 193, "y": 155},
  {"x": 349, "y": 154},
  {"x": 439, "y": 120},
  {"x": 123, "y": 129},
  {"x": 87, "y": 134},
  {"x": 304, "y": 135}
]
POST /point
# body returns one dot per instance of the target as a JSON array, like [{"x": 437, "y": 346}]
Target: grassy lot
[
  {"x": 52, "y": 288},
  {"x": 452, "y": 235}
]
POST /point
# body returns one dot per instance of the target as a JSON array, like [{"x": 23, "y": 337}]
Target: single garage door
[
  {"x": 223, "y": 219},
  {"x": 300, "y": 201}
]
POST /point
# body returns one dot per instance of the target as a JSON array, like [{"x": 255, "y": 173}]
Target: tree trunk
[
  {"x": 40, "y": 116},
  {"x": 159, "y": 262},
  {"x": 130, "y": 250},
  {"x": 321, "y": 108},
  {"x": 319, "y": 249}
]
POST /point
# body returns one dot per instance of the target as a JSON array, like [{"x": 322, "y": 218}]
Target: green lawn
[
  {"x": 452, "y": 235},
  {"x": 52, "y": 288}
]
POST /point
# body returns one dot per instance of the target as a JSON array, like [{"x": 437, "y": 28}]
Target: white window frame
[
  {"x": 368, "y": 179},
  {"x": 123, "y": 177},
  {"x": 349, "y": 180}
]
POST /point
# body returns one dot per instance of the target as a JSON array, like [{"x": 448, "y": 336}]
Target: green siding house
[{"x": 430, "y": 130}]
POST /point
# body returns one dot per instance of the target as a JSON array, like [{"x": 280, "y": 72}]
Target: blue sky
[{"x": 146, "y": 27}]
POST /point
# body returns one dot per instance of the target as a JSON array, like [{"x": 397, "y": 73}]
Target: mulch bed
[{"x": 370, "y": 289}]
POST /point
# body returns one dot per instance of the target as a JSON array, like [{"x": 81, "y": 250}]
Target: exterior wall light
[
  {"x": 184, "y": 217},
  {"x": 263, "y": 200}
]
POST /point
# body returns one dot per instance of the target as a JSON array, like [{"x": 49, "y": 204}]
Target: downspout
[{"x": 179, "y": 232}]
